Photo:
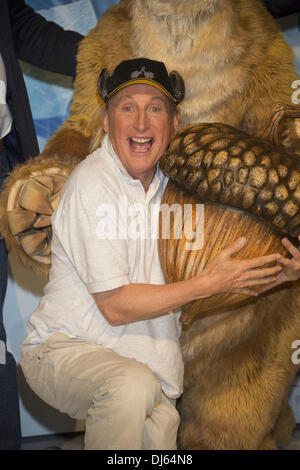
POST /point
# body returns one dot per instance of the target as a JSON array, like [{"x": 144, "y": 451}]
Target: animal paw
[
  {"x": 29, "y": 209},
  {"x": 30, "y": 196}
]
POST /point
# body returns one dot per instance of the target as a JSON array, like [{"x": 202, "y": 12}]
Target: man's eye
[{"x": 155, "y": 109}]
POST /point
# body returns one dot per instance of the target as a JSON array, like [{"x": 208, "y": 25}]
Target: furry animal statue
[{"x": 237, "y": 67}]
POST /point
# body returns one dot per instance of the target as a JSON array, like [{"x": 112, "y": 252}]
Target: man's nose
[{"x": 142, "y": 121}]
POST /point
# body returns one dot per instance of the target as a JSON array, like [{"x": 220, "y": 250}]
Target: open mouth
[{"x": 141, "y": 144}]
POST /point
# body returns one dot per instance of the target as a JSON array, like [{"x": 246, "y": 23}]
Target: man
[
  {"x": 28, "y": 36},
  {"x": 103, "y": 344}
]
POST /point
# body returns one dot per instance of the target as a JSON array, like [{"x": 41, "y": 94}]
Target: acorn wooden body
[{"x": 247, "y": 188}]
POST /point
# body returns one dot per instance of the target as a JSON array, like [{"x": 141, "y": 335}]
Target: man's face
[{"x": 140, "y": 124}]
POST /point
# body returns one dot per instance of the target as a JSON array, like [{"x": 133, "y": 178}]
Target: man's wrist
[{"x": 201, "y": 286}]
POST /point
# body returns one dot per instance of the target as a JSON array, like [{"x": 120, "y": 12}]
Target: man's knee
[{"x": 136, "y": 386}]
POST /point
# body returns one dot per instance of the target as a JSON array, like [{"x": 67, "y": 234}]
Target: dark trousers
[{"x": 10, "y": 430}]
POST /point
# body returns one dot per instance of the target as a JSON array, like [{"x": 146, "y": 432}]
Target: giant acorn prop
[{"x": 248, "y": 186}]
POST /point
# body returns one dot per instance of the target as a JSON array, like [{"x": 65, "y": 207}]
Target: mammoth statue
[
  {"x": 238, "y": 72},
  {"x": 237, "y": 351}
]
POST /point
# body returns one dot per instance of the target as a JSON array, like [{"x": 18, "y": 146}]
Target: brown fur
[
  {"x": 238, "y": 371},
  {"x": 234, "y": 76},
  {"x": 236, "y": 66}
]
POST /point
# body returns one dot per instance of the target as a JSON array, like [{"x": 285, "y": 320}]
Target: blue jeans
[{"x": 10, "y": 429}]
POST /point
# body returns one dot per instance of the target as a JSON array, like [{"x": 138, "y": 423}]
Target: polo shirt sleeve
[{"x": 85, "y": 229}]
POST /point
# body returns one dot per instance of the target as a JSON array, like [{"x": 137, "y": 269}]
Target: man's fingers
[
  {"x": 267, "y": 287},
  {"x": 235, "y": 247},
  {"x": 290, "y": 247},
  {"x": 257, "y": 262},
  {"x": 264, "y": 284},
  {"x": 261, "y": 282},
  {"x": 246, "y": 291},
  {"x": 262, "y": 260},
  {"x": 263, "y": 272},
  {"x": 286, "y": 262}
]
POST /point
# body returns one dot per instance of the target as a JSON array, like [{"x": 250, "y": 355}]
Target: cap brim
[{"x": 142, "y": 81}]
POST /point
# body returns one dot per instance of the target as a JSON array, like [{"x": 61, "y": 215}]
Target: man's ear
[
  {"x": 175, "y": 121},
  {"x": 104, "y": 119}
]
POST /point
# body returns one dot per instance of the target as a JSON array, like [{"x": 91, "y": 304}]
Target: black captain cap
[{"x": 141, "y": 71}]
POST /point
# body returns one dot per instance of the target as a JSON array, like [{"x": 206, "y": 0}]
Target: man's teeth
[
  {"x": 141, "y": 140},
  {"x": 141, "y": 144}
]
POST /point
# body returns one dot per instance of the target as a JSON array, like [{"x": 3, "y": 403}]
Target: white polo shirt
[{"x": 105, "y": 236}]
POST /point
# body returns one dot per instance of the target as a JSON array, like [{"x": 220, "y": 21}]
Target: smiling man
[
  {"x": 140, "y": 119},
  {"x": 140, "y": 124},
  {"x": 103, "y": 344}
]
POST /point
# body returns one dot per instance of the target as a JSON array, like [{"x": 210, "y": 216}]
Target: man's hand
[
  {"x": 291, "y": 267},
  {"x": 225, "y": 274},
  {"x": 291, "y": 270}
]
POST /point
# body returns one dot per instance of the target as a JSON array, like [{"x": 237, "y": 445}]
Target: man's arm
[
  {"x": 279, "y": 8},
  {"x": 135, "y": 302},
  {"x": 41, "y": 42}
]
